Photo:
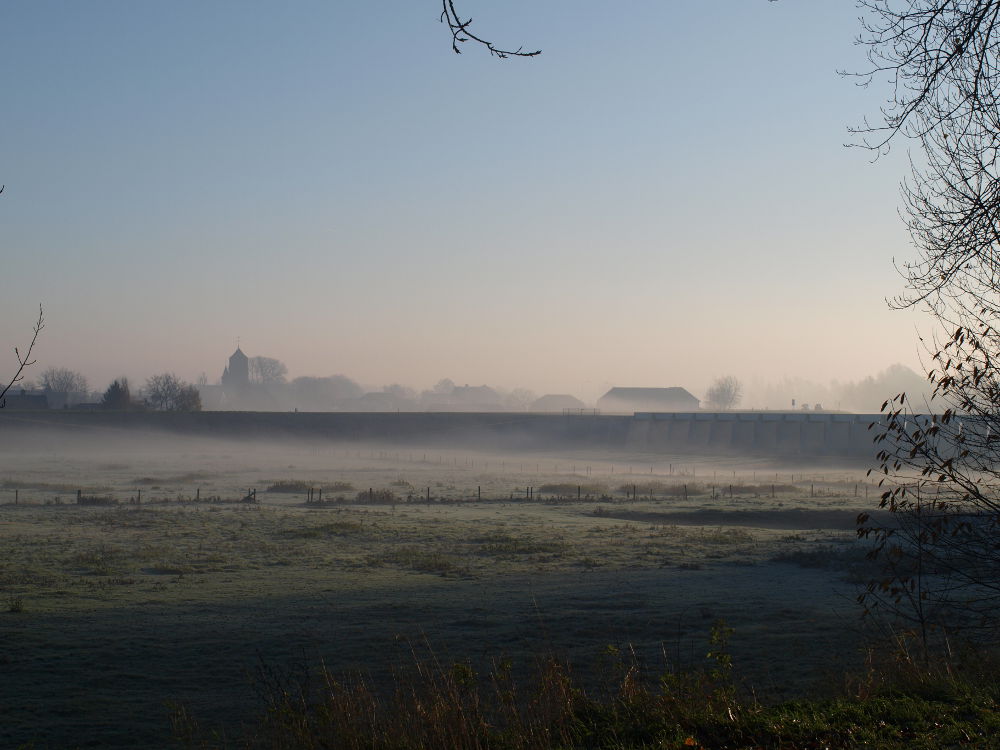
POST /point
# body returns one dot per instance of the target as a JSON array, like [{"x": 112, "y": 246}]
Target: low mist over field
[{"x": 219, "y": 551}]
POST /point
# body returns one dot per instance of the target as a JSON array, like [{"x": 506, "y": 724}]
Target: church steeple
[{"x": 238, "y": 371}]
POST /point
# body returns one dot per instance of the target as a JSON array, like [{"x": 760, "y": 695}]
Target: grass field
[{"x": 110, "y": 613}]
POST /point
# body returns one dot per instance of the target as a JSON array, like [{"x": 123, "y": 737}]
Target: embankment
[{"x": 777, "y": 434}]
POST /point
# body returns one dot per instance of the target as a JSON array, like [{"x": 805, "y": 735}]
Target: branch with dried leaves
[
  {"x": 940, "y": 476},
  {"x": 941, "y": 472},
  {"x": 23, "y": 361},
  {"x": 460, "y": 34}
]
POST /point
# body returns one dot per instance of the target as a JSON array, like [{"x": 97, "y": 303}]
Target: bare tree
[
  {"x": 724, "y": 393},
  {"x": 63, "y": 380},
  {"x": 519, "y": 399},
  {"x": 160, "y": 390},
  {"x": 267, "y": 370},
  {"x": 460, "y": 34},
  {"x": 167, "y": 392},
  {"x": 23, "y": 360},
  {"x": 187, "y": 398},
  {"x": 941, "y": 473}
]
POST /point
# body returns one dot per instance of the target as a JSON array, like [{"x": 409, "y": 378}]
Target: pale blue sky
[{"x": 661, "y": 197}]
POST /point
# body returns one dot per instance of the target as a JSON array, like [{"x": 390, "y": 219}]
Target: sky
[{"x": 663, "y": 196}]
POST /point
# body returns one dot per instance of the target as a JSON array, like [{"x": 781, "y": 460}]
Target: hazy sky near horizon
[{"x": 662, "y": 197}]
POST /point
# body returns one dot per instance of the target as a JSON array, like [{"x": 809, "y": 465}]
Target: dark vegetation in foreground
[{"x": 902, "y": 702}]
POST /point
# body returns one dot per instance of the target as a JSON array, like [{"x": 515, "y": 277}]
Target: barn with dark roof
[{"x": 647, "y": 399}]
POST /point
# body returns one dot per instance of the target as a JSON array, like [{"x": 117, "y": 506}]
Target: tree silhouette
[
  {"x": 724, "y": 393},
  {"x": 63, "y": 380},
  {"x": 941, "y": 473},
  {"x": 267, "y": 370},
  {"x": 117, "y": 396},
  {"x": 167, "y": 392}
]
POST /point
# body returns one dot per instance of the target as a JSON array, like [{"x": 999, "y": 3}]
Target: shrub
[
  {"x": 662, "y": 489},
  {"x": 507, "y": 544},
  {"x": 434, "y": 702},
  {"x": 731, "y": 535},
  {"x": 571, "y": 490},
  {"x": 95, "y": 500},
  {"x": 380, "y": 497}
]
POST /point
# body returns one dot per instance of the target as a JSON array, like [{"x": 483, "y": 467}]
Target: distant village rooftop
[{"x": 648, "y": 399}]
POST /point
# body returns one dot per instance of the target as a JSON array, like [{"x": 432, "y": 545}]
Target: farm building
[
  {"x": 24, "y": 400},
  {"x": 555, "y": 402},
  {"x": 647, "y": 399}
]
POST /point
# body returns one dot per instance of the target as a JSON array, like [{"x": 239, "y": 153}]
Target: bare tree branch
[
  {"x": 24, "y": 361},
  {"x": 940, "y": 59},
  {"x": 941, "y": 472},
  {"x": 460, "y": 34}
]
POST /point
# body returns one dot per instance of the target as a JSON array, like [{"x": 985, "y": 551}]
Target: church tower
[{"x": 238, "y": 372}]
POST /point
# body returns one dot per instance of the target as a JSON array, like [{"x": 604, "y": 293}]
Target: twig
[
  {"x": 26, "y": 360},
  {"x": 460, "y": 33}
]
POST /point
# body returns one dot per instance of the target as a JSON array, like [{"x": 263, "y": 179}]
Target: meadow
[{"x": 167, "y": 587}]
